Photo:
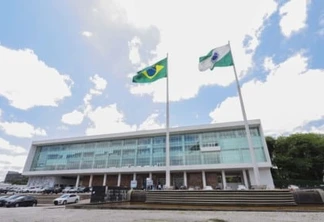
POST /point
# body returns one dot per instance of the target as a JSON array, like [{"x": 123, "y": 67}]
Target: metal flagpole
[
  {"x": 248, "y": 134},
  {"x": 167, "y": 141}
]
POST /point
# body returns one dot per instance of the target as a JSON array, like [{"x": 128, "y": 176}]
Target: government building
[{"x": 215, "y": 155}]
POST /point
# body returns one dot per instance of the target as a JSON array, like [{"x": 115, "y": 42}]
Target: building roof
[{"x": 145, "y": 133}]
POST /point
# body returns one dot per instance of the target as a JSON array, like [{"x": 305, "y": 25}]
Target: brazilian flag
[{"x": 152, "y": 73}]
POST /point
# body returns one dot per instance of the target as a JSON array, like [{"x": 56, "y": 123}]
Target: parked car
[
  {"x": 208, "y": 188},
  {"x": 72, "y": 190},
  {"x": 67, "y": 189},
  {"x": 27, "y": 189},
  {"x": 3, "y": 190},
  {"x": 22, "y": 201},
  {"x": 293, "y": 187},
  {"x": 57, "y": 189},
  {"x": 76, "y": 190},
  {"x": 87, "y": 189},
  {"x": 5, "y": 199},
  {"x": 66, "y": 198},
  {"x": 48, "y": 190},
  {"x": 241, "y": 187}
]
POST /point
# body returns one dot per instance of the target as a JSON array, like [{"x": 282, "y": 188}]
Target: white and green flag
[{"x": 217, "y": 57}]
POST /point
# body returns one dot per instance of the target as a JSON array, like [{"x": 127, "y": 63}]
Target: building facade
[{"x": 214, "y": 155}]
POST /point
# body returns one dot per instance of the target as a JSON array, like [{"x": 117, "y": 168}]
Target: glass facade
[{"x": 185, "y": 149}]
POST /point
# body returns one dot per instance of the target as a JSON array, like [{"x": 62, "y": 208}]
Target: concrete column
[
  {"x": 185, "y": 179},
  {"x": 104, "y": 180},
  {"x": 224, "y": 179},
  {"x": 245, "y": 180},
  {"x": 203, "y": 178},
  {"x": 134, "y": 176},
  {"x": 77, "y": 181},
  {"x": 167, "y": 178},
  {"x": 150, "y": 175},
  {"x": 90, "y": 181},
  {"x": 119, "y": 179}
]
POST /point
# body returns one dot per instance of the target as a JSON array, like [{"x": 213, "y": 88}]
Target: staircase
[{"x": 226, "y": 197}]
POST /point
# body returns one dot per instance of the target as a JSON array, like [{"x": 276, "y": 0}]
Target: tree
[
  {"x": 271, "y": 142},
  {"x": 298, "y": 156}
]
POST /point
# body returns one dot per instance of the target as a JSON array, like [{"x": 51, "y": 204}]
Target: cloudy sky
[{"x": 66, "y": 67}]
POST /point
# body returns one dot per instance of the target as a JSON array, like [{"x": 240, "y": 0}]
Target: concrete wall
[{"x": 266, "y": 178}]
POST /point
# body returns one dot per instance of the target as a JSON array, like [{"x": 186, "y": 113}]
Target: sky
[{"x": 66, "y": 67}]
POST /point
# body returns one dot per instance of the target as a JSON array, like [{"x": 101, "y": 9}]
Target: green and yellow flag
[{"x": 152, "y": 73}]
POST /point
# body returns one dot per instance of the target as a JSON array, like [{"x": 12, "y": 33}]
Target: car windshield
[
  {"x": 13, "y": 197},
  {"x": 64, "y": 196}
]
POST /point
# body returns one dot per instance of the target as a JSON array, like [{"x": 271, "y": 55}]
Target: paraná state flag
[{"x": 217, "y": 57}]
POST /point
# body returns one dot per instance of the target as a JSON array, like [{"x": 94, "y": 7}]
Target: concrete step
[{"x": 264, "y": 197}]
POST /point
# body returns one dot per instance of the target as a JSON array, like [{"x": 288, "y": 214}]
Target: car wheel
[
  {"x": 76, "y": 200},
  {"x": 34, "y": 205},
  {"x": 64, "y": 202},
  {"x": 17, "y": 205}
]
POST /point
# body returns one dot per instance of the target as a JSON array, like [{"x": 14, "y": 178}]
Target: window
[
  {"x": 176, "y": 139},
  {"x": 144, "y": 141},
  {"x": 88, "y": 154},
  {"x": 191, "y": 138},
  {"x": 159, "y": 140}
]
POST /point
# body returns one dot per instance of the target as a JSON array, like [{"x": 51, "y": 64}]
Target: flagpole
[
  {"x": 167, "y": 141},
  {"x": 248, "y": 134}
]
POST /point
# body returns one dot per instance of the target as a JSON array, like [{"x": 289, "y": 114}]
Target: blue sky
[{"x": 66, "y": 67}]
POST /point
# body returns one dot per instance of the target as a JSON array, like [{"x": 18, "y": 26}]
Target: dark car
[
  {"x": 22, "y": 201},
  {"x": 3, "y": 190},
  {"x": 48, "y": 190},
  {"x": 4, "y": 199}
]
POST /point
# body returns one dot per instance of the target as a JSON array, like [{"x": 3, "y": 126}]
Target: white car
[
  {"x": 293, "y": 187},
  {"x": 208, "y": 188},
  {"x": 241, "y": 187},
  {"x": 67, "y": 198}
]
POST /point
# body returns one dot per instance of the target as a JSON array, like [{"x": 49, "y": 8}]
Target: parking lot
[{"x": 50, "y": 213}]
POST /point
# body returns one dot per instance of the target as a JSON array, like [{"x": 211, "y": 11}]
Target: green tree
[
  {"x": 271, "y": 143},
  {"x": 299, "y": 156}
]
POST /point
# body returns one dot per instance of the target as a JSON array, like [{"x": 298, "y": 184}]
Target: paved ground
[{"x": 49, "y": 213}]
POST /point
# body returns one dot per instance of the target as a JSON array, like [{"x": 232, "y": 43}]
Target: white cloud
[
  {"x": 10, "y": 162},
  {"x": 268, "y": 64},
  {"x": 21, "y": 129},
  {"x": 134, "y": 55},
  {"x": 73, "y": 118},
  {"x": 27, "y": 81},
  {"x": 293, "y": 16},
  {"x": 151, "y": 123},
  {"x": 99, "y": 82},
  {"x": 76, "y": 117},
  {"x": 192, "y": 34},
  {"x": 312, "y": 129},
  {"x": 100, "y": 85},
  {"x": 319, "y": 129},
  {"x": 111, "y": 120},
  {"x": 5, "y": 145},
  {"x": 108, "y": 120},
  {"x": 287, "y": 99},
  {"x": 87, "y": 34}
]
